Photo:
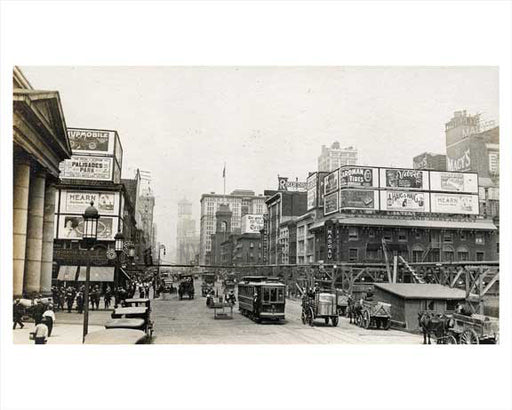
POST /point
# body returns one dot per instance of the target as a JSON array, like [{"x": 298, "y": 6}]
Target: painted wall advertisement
[
  {"x": 311, "y": 194},
  {"x": 86, "y": 167},
  {"x": 84, "y": 141},
  {"x": 454, "y": 182},
  {"x": 285, "y": 185},
  {"x": 331, "y": 203},
  {"x": 359, "y": 199},
  {"x": 71, "y": 227},
  {"x": 358, "y": 177},
  {"x": 458, "y": 156},
  {"x": 252, "y": 223},
  {"x": 75, "y": 202},
  {"x": 331, "y": 182},
  {"x": 454, "y": 203},
  {"x": 404, "y": 201},
  {"x": 404, "y": 178}
]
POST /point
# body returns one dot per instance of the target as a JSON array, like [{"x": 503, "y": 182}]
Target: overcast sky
[{"x": 183, "y": 123}]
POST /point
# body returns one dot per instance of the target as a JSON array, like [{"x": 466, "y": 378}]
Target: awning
[
  {"x": 67, "y": 273},
  {"x": 98, "y": 273}
]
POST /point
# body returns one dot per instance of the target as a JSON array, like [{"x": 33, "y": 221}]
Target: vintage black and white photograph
[{"x": 256, "y": 205}]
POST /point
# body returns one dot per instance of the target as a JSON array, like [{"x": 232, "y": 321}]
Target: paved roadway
[{"x": 191, "y": 322}]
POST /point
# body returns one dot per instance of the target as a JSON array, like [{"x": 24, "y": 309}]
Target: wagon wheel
[
  {"x": 326, "y": 320},
  {"x": 334, "y": 320},
  {"x": 366, "y": 319},
  {"x": 386, "y": 323},
  {"x": 303, "y": 317},
  {"x": 450, "y": 340},
  {"x": 469, "y": 337},
  {"x": 311, "y": 317},
  {"x": 378, "y": 322},
  {"x": 358, "y": 319}
]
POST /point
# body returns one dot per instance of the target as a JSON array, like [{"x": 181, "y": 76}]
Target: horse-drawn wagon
[
  {"x": 374, "y": 314},
  {"x": 321, "y": 305},
  {"x": 475, "y": 329}
]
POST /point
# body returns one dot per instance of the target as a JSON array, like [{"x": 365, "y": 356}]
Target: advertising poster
[
  {"x": 331, "y": 203},
  {"x": 358, "y": 199},
  {"x": 320, "y": 191},
  {"x": 404, "y": 201},
  {"x": 311, "y": 194},
  {"x": 330, "y": 240},
  {"x": 71, "y": 227},
  {"x": 75, "y": 202},
  {"x": 85, "y": 141},
  {"x": 454, "y": 203},
  {"x": 252, "y": 223},
  {"x": 358, "y": 177},
  {"x": 453, "y": 182},
  {"x": 404, "y": 178},
  {"x": 86, "y": 167},
  {"x": 458, "y": 157},
  {"x": 331, "y": 182}
]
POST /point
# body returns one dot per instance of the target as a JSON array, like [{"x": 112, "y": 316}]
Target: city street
[{"x": 191, "y": 322}]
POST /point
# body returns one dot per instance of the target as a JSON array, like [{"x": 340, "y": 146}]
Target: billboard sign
[
  {"x": 404, "y": 178},
  {"x": 359, "y": 199},
  {"x": 71, "y": 227},
  {"x": 252, "y": 223},
  {"x": 84, "y": 141},
  {"x": 458, "y": 156},
  {"x": 311, "y": 194},
  {"x": 330, "y": 240},
  {"x": 454, "y": 203},
  {"x": 404, "y": 201},
  {"x": 358, "y": 177},
  {"x": 331, "y": 203},
  {"x": 285, "y": 185},
  {"x": 75, "y": 202},
  {"x": 87, "y": 167},
  {"x": 331, "y": 182},
  {"x": 453, "y": 182}
]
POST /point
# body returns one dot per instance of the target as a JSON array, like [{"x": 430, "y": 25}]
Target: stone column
[
  {"x": 19, "y": 221},
  {"x": 48, "y": 230},
  {"x": 32, "y": 279}
]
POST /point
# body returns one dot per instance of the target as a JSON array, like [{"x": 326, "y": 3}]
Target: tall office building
[
  {"x": 334, "y": 157},
  {"x": 240, "y": 202},
  {"x": 186, "y": 239}
]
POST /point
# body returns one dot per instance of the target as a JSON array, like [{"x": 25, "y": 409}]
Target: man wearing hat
[{"x": 17, "y": 313}]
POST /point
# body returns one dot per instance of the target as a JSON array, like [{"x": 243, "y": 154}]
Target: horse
[
  {"x": 354, "y": 309},
  {"x": 434, "y": 323}
]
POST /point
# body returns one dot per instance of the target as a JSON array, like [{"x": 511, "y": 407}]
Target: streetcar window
[
  {"x": 273, "y": 295},
  {"x": 280, "y": 294},
  {"x": 266, "y": 295}
]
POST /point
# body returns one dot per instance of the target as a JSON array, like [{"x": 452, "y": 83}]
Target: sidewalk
[{"x": 61, "y": 333}]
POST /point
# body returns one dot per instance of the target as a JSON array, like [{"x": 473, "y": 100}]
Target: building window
[
  {"x": 462, "y": 256},
  {"x": 418, "y": 235},
  {"x": 448, "y": 256},
  {"x": 428, "y": 304},
  {"x": 372, "y": 254},
  {"x": 371, "y": 233},
  {"x": 447, "y": 237},
  {"x": 352, "y": 254},
  {"x": 402, "y": 235},
  {"x": 387, "y": 235},
  {"x": 479, "y": 239},
  {"x": 462, "y": 236},
  {"x": 417, "y": 255},
  {"x": 353, "y": 234},
  {"x": 480, "y": 256}
]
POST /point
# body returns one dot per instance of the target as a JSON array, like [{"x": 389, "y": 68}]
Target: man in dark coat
[
  {"x": 17, "y": 312},
  {"x": 38, "y": 311}
]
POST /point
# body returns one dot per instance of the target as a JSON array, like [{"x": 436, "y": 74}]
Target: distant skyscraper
[
  {"x": 334, "y": 157},
  {"x": 240, "y": 203},
  {"x": 186, "y": 239}
]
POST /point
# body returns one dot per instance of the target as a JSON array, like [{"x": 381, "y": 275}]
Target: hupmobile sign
[
  {"x": 87, "y": 167},
  {"x": 84, "y": 141}
]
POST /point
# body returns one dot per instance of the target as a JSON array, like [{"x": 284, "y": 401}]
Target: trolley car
[{"x": 261, "y": 298}]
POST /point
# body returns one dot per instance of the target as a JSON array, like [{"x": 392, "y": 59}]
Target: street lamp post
[
  {"x": 119, "y": 246},
  {"x": 89, "y": 238}
]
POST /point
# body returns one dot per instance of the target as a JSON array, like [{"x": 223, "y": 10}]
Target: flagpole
[{"x": 224, "y": 176}]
